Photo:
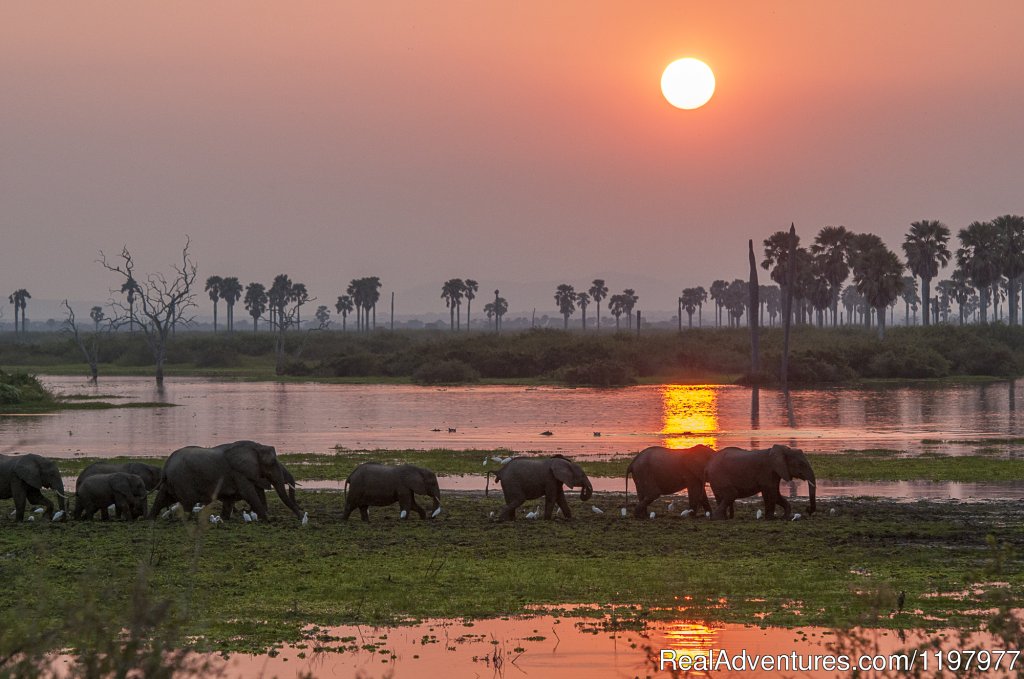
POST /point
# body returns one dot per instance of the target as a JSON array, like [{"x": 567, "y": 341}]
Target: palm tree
[
  {"x": 255, "y": 302},
  {"x": 946, "y": 292},
  {"x": 1011, "y": 241},
  {"x": 344, "y": 306},
  {"x": 19, "y": 298},
  {"x": 979, "y": 256},
  {"x": 300, "y": 296},
  {"x": 771, "y": 297},
  {"x": 598, "y": 291},
  {"x": 278, "y": 296},
  {"x": 910, "y": 298},
  {"x": 961, "y": 289},
  {"x": 831, "y": 250},
  {"x": 323, "y": 316},
  {"x": 213, "y": 287},
  {"x": 718, "y": 289},
  {"x": 355, "y": 292},
  {"x": 616, "y": 307},
  {"x": 16, "y": 303},
  {"x": 629, "y": 300},
  {"x": 97, "y": 316},
  {"x": 130, "y": 288},
  {"x": 451, "y": 293},
  {"x": 371, "y": 295},
  {"x": 489, "y": 311},
  {"x": 230, "y": 292},
  {"x": 702, "y": 298},
  {"x": 925, "y": 248},
  {"x": 583, "y": 299},
  {"x": 565, "y": 298},
  {"x": 776, "y": 262},
  {"x": 878, "y": 275},
  {"x": 736, "y": 298},
  {"x": 690, "y": 301},
  {"x": 470, "y": 293}
]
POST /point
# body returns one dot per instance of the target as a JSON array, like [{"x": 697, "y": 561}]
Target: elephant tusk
[{"x": 812, "y": 484}]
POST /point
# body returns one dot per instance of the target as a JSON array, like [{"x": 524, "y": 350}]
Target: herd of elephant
[{"x": 244, "y": 470}]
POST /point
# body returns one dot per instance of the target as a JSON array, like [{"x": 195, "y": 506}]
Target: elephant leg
[
  {"x": 36, "y": 497},
  {"x": 787, "y": 511},
  {"x": 642, "y": 502},
  {"x": 508, "y": 512},
  {"x": 226, "y": 507},
  {"x": 769, "y": 503},
  {"x": 164, "y": 499},
  {"x": 725, "y": 498},
  {"x": 347, "y": 510},
  {"x": 696, "y": 497},
  {"x": 416, "y": 508},
  {"x": 18, "y": 493},
  {"x": 549, "y": 503},
  {"x": 104, "y": 514},
  {"x": 250, "y": 495},
  {"x": 79, "y": 508},
  {"x": 123, "y": 508},
  {"x": 364, "y": 513},
  {"x": 563, "y": 505}
]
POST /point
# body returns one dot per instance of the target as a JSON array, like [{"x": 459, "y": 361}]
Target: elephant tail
[
  {"x": 487, "y": 484},
  {"x": 345, "y": 489},
  {"x": 629, "y": 470}
]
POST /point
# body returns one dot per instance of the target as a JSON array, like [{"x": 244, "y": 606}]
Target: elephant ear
[
  {"x": 777, "y": 456},
  {"x": 562, "y": 470},
  {"x": 242, "y": 458},
  {"x": 121, "y": 483},
  {"x": 28, "y": 471}
]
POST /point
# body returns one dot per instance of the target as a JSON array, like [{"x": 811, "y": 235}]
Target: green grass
[
  {"x": 250, "y": 586},
  {"x": 867, "y": 465}
]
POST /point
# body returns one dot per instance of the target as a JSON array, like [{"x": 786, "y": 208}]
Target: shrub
[
  {"x": 218, "y": 357},
  {"x": 445, "y": 372},
  {"x": 600, "y": 373},
  {"x": 908, "y": 361}
]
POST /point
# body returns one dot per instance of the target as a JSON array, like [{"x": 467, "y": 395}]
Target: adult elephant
[
  {"x": 22, "y": 477},
  {"x": 661, "y": 471},
  {"x": 526, "y": 478},
  {"x": 228, "y": 472},
  {"x": 736, "y": 473},
  {"x": 149, "y": 473},
  {"x": 127, "y": 492},
  {"x": 378, "y": 485}
]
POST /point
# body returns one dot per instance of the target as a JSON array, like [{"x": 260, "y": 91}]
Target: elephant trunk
[
  {"x": 286, "y": 491},
  {"x": 58, "y": 487},
  {"x": 811, "y": 491},
  {"x": 587, "y": 490}
]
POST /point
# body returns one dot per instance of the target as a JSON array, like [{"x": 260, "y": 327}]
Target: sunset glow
[
  {"x": 690, "y": 414},
  {"x": 688, "y": 83}
]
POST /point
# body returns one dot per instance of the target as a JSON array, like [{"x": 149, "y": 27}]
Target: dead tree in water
[
  {"x": 752, "y": 317},
  {"x": 787, "y": 305},
  {"x": 89, "y": 344},
  {"x": 161, "y": 301}
]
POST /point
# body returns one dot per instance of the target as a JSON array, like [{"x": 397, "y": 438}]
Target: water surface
[{"x": 316, "y": 417}]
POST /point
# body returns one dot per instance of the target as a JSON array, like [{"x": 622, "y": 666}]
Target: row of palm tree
[
  {"x": 19, "y": 299},
  {"x": 227, "y": 289},
  {"x": 567, "y": 299},
  {"x": 496, "y": 310},
  {"x": 453, "y": 291}
]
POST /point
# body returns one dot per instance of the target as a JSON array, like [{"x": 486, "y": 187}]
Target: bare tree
[
  {"x": 161, "y": 301},
  {"x": 89, "y": 344}
]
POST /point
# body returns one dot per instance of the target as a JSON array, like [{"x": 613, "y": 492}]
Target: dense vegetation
[{"x": 819, "y": 355}]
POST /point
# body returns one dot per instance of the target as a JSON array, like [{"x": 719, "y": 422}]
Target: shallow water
[
  {"x": 547, "y": 646},
  {"x": 315, "y": 417}
]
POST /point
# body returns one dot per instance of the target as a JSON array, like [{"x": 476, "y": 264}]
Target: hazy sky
[{"x": 504, "y": 141}]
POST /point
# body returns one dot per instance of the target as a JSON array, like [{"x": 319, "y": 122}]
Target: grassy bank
[
  {"x": 250, "y": 586},
  {"x": 819, "y": 355},
  {"x": 865, "y": 465}
]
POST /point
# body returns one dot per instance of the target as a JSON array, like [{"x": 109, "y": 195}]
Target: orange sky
[{"x": 509, "y": 142}]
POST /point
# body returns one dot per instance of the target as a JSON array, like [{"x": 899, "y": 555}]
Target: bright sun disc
[{"x": 687, "y": 83}]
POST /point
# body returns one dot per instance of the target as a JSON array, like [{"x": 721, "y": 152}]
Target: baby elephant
[
  {"x": 127, "y": 492},
  {"x": 525, "y": 478},
  {"x": 379, "y": 485}
]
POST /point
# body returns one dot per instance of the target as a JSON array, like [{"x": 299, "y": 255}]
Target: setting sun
[{"x": 688, "y": 83}]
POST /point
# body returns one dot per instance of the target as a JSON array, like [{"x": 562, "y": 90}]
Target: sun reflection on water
[
  {"x": 690, "y": 414},
  {"x": 692, "y": 639}
]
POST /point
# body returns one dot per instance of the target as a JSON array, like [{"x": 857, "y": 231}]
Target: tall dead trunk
[{"x": 755, "y": 306}]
